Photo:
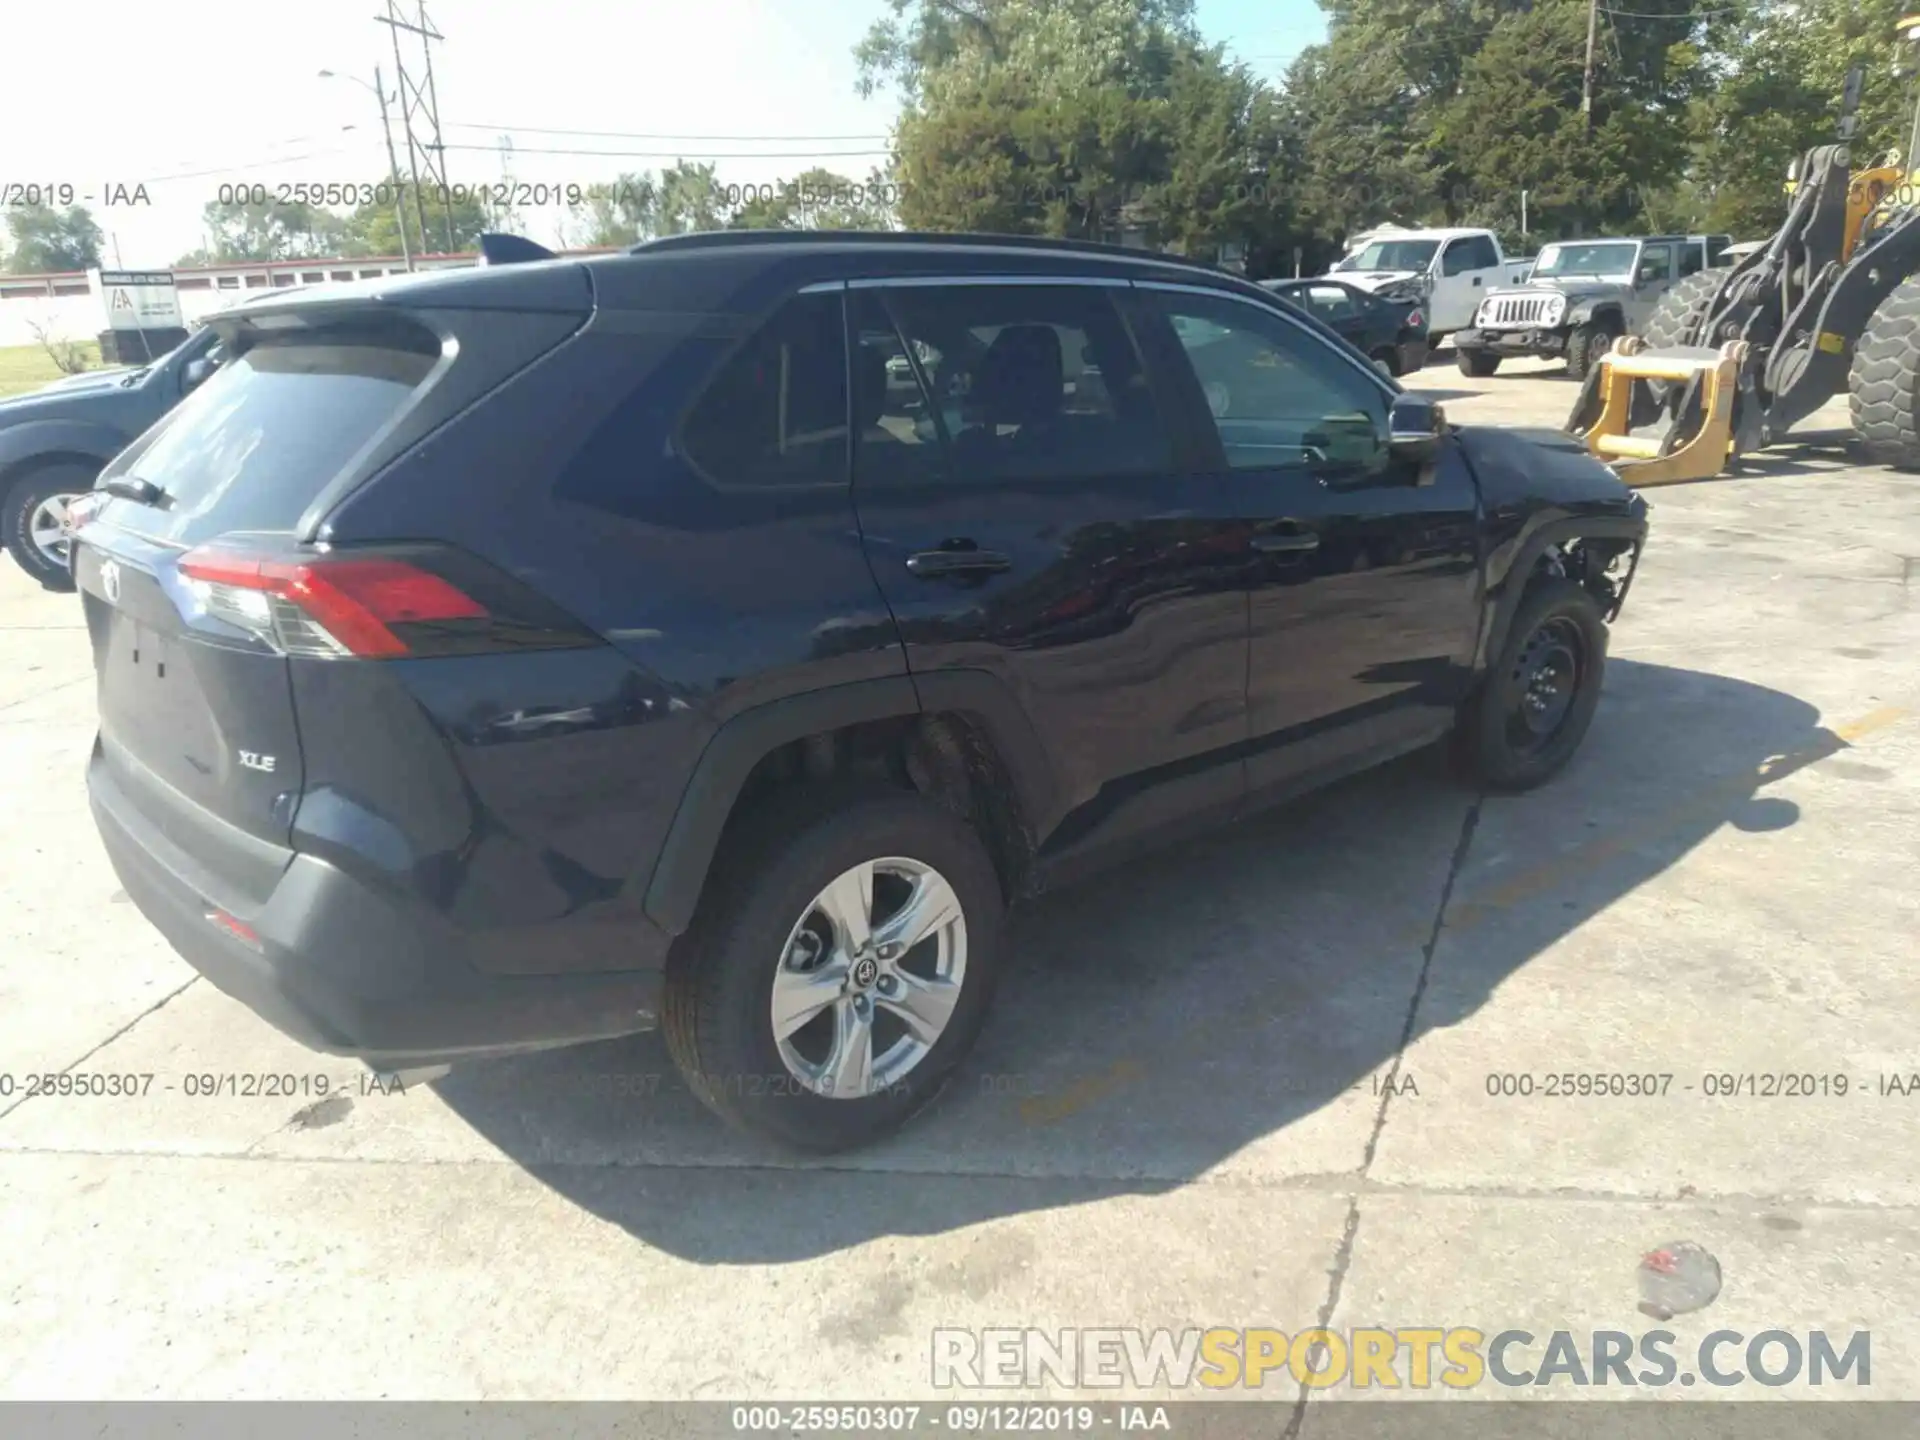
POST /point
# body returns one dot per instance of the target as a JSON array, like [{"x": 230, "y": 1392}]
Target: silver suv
[{"x": 1581, "y": 296}]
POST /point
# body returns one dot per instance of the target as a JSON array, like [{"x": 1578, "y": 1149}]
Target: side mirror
[{"x": 1414, "y": 427}]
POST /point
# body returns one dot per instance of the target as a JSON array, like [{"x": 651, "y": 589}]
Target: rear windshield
[{"x": 261, "y": 438}]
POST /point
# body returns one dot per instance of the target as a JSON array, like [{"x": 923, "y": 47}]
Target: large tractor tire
[
  {"x": 1677, "y": 316},
  {"x": 1676, "y": 319},
  {"x": 1884, "y": 384}
]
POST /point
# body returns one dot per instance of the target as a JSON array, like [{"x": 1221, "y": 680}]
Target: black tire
[
  {"x": 1677, "y": 316},
  {"x": 1477, "y": 363},
  {"x": 1496, "y": 742},
  {"x": 717, "y": 1009},
  {"x": 26, "y": 495},
  {"x": 1884, "y": 383},
  {"x": 1389, "y": 356},
  {"x": 1587, "y": 344}
]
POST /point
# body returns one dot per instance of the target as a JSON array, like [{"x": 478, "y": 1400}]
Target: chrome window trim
[{"x": 1372, "y": 375}]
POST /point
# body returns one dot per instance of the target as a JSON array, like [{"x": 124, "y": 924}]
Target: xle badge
[{"x": 256, "y": 762}]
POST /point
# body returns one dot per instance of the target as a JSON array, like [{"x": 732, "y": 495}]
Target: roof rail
[
  {"x": 498, "y": 249},
  {"x": 732, "y": 239}
]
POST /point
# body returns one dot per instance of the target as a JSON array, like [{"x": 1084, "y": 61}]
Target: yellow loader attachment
[{"x": 1697, "y": 445}]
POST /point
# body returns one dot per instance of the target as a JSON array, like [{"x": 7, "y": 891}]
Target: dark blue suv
[{"x": 720, "y": 635}]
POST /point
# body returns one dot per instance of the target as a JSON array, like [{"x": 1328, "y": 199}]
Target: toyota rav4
[{"x": 722, "y": 634}]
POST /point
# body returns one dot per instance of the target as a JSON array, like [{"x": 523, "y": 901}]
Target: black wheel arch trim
[
  {"x": 1506, "y": 595},
  {"x": 24, "y": 447},
  {"x": 693, "y": 837}
]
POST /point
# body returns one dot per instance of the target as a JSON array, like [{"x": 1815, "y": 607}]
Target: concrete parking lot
[{"x": 1243, "y": 1084}]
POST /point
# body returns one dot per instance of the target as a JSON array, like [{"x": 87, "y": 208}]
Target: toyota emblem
[{"x": 110, "y": 581}]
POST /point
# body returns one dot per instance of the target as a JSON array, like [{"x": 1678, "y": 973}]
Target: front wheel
[
  {"x": 840, "y": 969},
  {"x": 1477, "y": 363},
  {"x": 1585, "y": 347},
  {"x": 33, "y": 525},
  {"x": 1884, "y": 383},
  {"x": 1537, "y": 699}
]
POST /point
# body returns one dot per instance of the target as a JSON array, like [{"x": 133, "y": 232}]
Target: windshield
[
  {"x": 1603, "y": 259},
  {"x": 1392, "y": 255}
]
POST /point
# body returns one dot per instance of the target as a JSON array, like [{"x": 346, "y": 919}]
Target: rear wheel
[
  {"x": 841, "y": 968},
  {"x": 1477, "y": 363},
  {"x": 1538, "y": 698},
  {"x": 1387, "y": 360},
  {"x": 1884, "y": 384},
  {"x": 33, "y": 524}
]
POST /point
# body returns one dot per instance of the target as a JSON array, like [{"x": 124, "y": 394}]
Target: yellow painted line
[
  {"x": 1045, "y": 1109},
  {"x": 1462, "y": 915}
]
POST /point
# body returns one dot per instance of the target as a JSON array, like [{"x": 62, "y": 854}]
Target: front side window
[
  {"x": 1279, "y": 395},
  {"x": 1012, "y": 382},
  {"x": 1656, "y": 264},
  {"x": 776, "y": 413}
]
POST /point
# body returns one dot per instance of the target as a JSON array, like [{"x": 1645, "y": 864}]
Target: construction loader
[{"x": 1733, "y": 357}]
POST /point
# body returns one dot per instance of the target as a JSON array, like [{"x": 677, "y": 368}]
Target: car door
[
  {"x": 1469, "y": 267},
  {"x": 1362, "y": 570},
  {"x": 1028, "y": 513},
  {"x": 1655, "y": 274}
]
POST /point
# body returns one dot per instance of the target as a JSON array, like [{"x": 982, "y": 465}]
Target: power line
[
  {"x": 644, "y": 135},
  {"x": 249, "y": 165},
  {"x": 1672, "y": 15},
  {"x": 681, "y": 154}
]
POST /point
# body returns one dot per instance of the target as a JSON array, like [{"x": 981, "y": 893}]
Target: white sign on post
[{"x": 138, "y": 299}]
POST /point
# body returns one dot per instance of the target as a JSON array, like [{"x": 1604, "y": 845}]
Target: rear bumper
[
  {"x": 1541, "y": 343},
  {"x": 345, "y": 969}
]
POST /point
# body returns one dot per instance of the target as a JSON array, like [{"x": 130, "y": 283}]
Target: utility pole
[
  {"x": 420, "y": 111},
  {"x": 393, "y": 172},
  {"x": 1586, "y": 82},
  {"x": 379, "y": 88}
]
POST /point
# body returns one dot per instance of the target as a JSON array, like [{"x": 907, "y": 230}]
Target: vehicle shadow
[{"x": 1224, "y": 1005}]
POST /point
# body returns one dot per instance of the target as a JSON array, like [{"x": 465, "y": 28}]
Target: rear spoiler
[{"x": 511, "y": 250}]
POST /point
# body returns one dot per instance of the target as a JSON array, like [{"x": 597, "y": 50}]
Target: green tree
[
  {"x": 1516, "y": 124},
  {"x": 1064, "y": 43},
  {"x": 268, "y": 231},
  {"x": 45, "y": 240},
  {"x": 817, "y": 199},
  {"x": 1780, "y": 70},
  {"x": 373, "y": 229},
  {"x": 686, "y": 196}
]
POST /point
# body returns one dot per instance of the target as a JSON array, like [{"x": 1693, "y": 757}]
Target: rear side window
[
  {"x": 776, "y": 413},
  {"x": 252, "y": 448}
]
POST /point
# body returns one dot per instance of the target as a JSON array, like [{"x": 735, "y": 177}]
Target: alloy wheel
[
  {"x": 869, "y": 978},
  {"x": 47, "y": 528}
]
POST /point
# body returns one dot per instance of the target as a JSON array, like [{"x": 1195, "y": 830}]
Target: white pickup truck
[{"x": 1449, "y": 271}]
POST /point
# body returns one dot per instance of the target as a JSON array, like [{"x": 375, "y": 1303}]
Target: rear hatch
[
  {"x": 200, "y": 593},
  {"x": 195, "y": 702}
]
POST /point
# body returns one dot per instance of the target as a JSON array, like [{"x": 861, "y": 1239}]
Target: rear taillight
[
  {"x": 1416, "y": 320},
  {"x": 330, "y": 606}
]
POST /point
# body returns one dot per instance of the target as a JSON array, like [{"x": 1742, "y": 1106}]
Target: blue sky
[{"x": 762, "y": 88}]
